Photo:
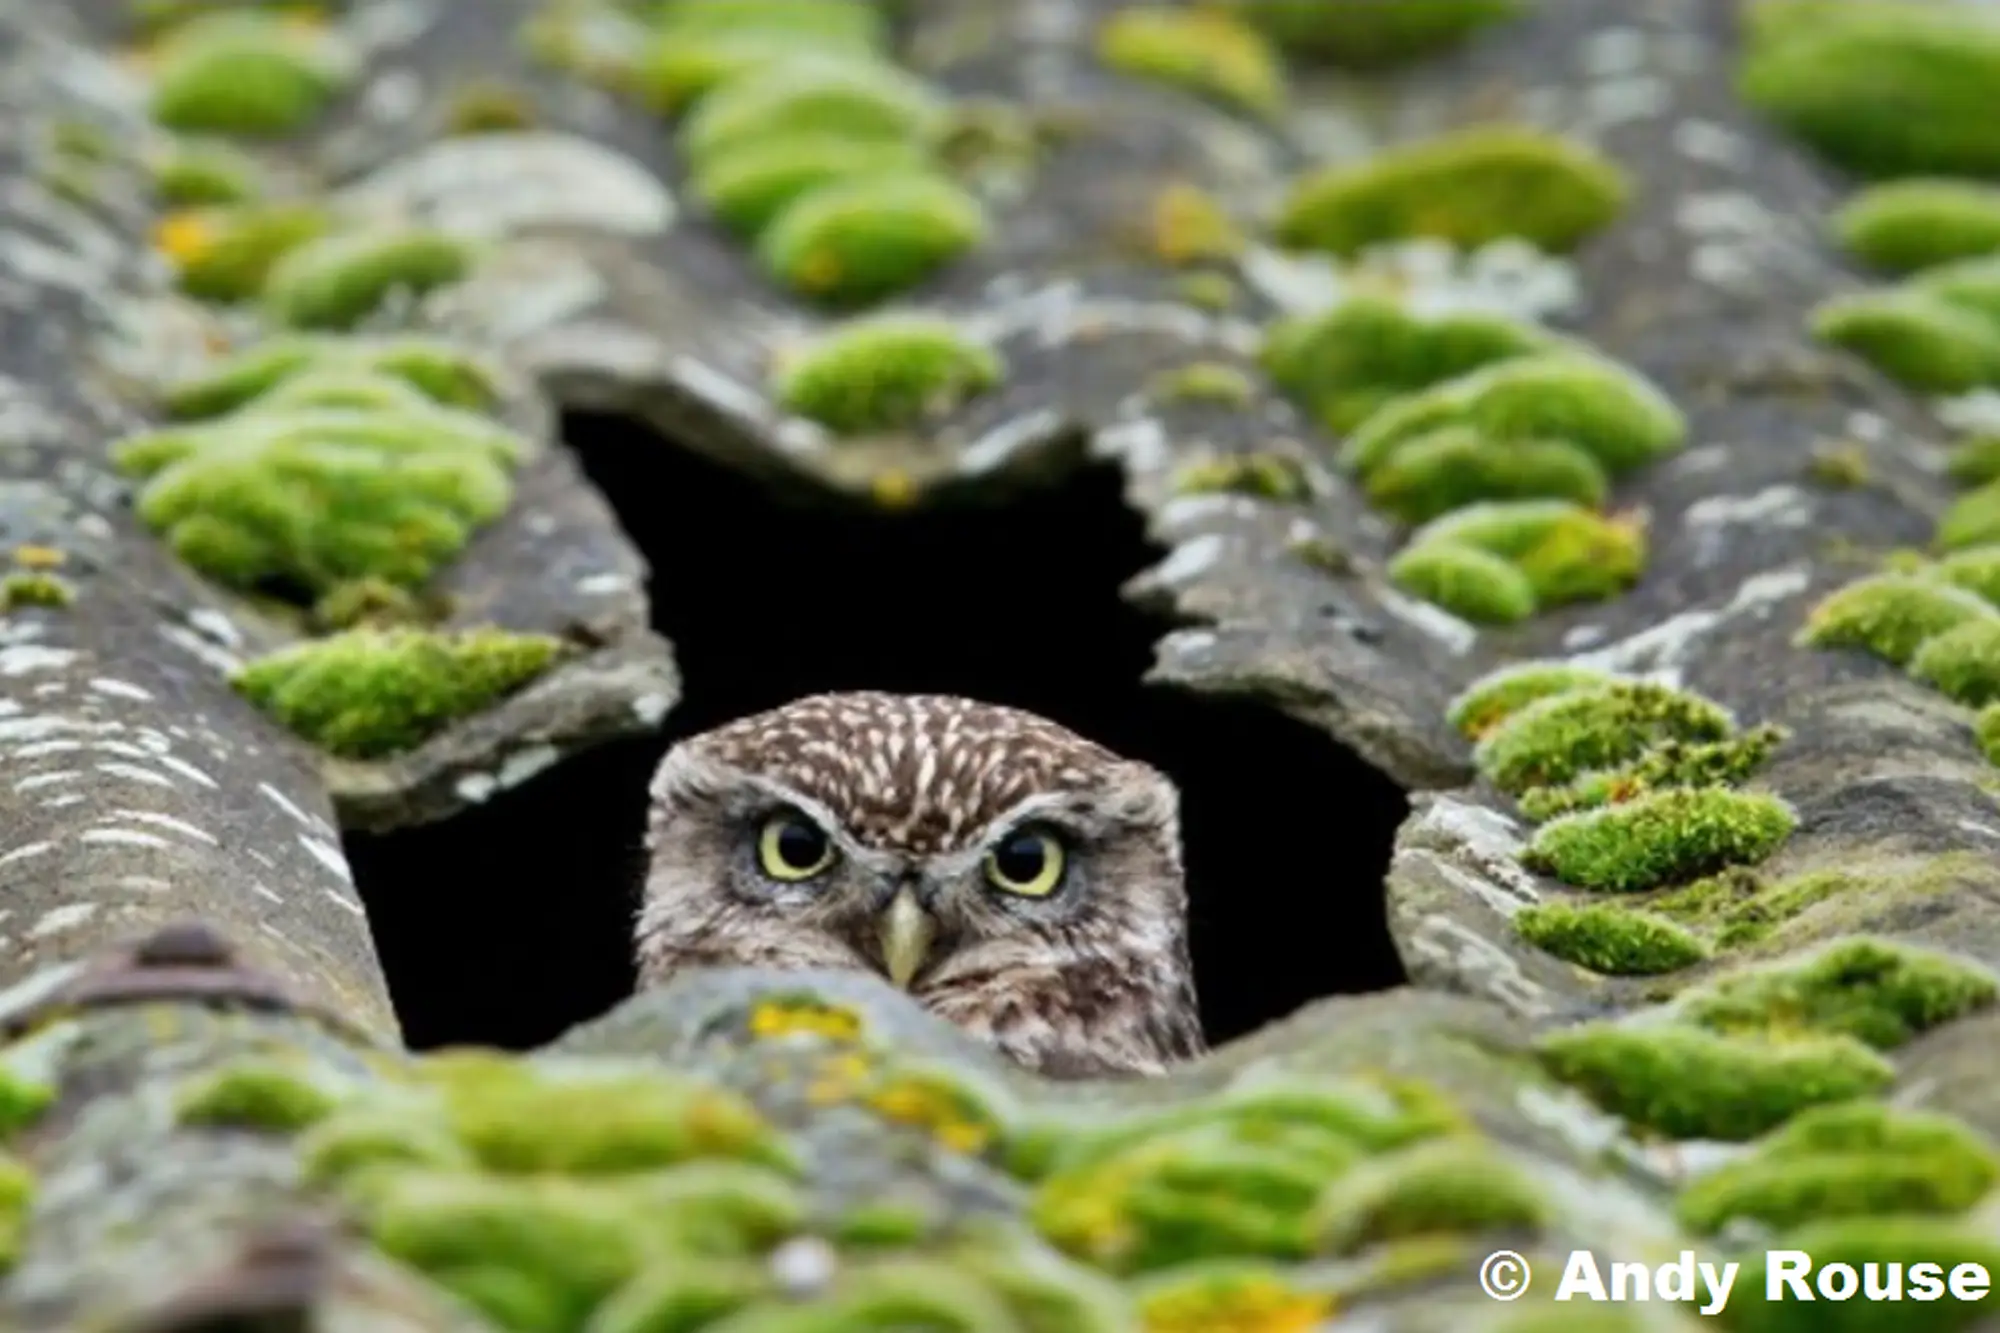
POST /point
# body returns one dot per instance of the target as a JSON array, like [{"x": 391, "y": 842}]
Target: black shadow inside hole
[{"x": 510, "y": 923}]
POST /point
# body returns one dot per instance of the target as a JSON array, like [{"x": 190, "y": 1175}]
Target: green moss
[
  {"x": 912, "y": 1293},
  {"x": 855, "y": 99},
  {"x": 372, "y": 602},
  {"x": 1046, "y": 1292},
  {"x": 682, "y": 1295},
  {"x": 366, "y": 694},
  {"x": 196, "y": 175},
  {"x": 883, "y": 1223},
  {"x": 1468, "y": 187},
  {"x": 1962, "y": 663},
  {"x": 17, "y": 1198},
  {"x": 604, "y": 1123},
  {"x": 22, "y": 1102},
  {"x": 1662, "y": 837},
  {"x": 1554, "y": 739},
  {"x": 1322, "y": 554},
  {"x": 1446, "y": 1185},
  {"x": 1913, "y": 224},
  {"x": 1839, "y": 467},
  {"x": 225, "y": 254},
  {"x": 1886, "y": 89},
  {"x": 720, "y": 1206},
  {"x": 1205, "y": 52},
  {"x": 1213, "y": 292},
  {"x": 751, "y": 186},
  {"x": 1433, "y": 474},
  {"x": 1879, "y": 992},
  {"x": 1566, "y": 552},
  {"x": 359, "y": 1140},
  {"x": 447, "y": 374},
  {"x": 1857, "y": 1159},
  {"x": 1268, "y": 475},
  {"x": 1215, "y": 1296},
  {"x": 334, "y": 282},
  {"x": 885, "y": 374},
  {"x": 1974, "y": 461},
  {"x": 318, "y": 497},
  {"x": 1367, "y": 35},
  {"x": 1986, "y": 732},
  {"x": 1740, "y": 906},
  {"x": 1466, "y": 581},
  {"x": 1346, "y": 362},
  {"x": 246, "y": 75},
  {"x": 1973, "y": 519},
  {"x": 1913, "y": 337},
  {"x": 699, "y": 47},
  {"x": 1189, "y": 225},
  {"x": 1909, "y": 1242},
  {"x": 256, "y": 1096},
  {"x": 25, "y": 588},
  {"x": 1686, "y": 1083},
  {"x": 1212, "y": 382},
  {"x": 1890, "y": 615},
  {"x": 489, "y": 107},
  {"x": 864, "y": 239},
  {"x": 1672, "y": 763},
  {"x": 1615, "y": 941},
  {"x": 1499, "y": 694},
  {"x": 1607, "y": 410}
]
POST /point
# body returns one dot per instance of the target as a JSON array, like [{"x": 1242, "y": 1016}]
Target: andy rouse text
[{"x": 1789, "y": 1275}]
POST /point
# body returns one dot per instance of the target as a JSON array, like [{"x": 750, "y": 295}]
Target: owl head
[{"x": 1011, "y": 875}]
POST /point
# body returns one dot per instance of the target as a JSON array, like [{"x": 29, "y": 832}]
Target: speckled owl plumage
[{"x": 913, "y": 790}]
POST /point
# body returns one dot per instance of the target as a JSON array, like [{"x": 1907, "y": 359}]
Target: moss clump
[
  {"x": 1605, "y": 409},
  {"x": 786, "y": 1016},
  {"x": 1230, "y": 1296},
  {"x": 1973, "y": 519},
  {"x": 887, "y": 374},
  {"x": 225, "y": 254},
  {"x": 1498, "y": 695},
  {"x": 1216, "y": 383},
  {"x": 1563, "y": 733},
  {"x": 1448, "y": 469},
  {"x": 1212, "y": 292},
  {"x": 22, "y": 1102},
  {"x": 1205, "y": 52},
  {"x": 1686, "y": 1083},
  {"x": 1879, "y": 992},
  {"x": 17, "y": 1197},
  {"x": 447, "y": 374},
  {"x": 941, "y": 1104},
  {"x": 1740, "y": 906},
  {"x": 1188, "y": 225},
  {"x": 696, "y": 48},
  {"x": 1962, "y": 663},
  {"x": 1890, "y": 615},
  {"x": 1368, "y": 35},
  {"x": 1268, "y": 475},
  {"x": 1566, "y": 552},
  {"x": 1662, "y": 837},
  {"x": 487, "y": 107},
  {"x": 314, "y": 497},
  {"x": 1974, "y": 461},
  {"x": 1986, "y": 732},
  {"x": 748, "y": 188},
  {"x": 1914, "y": 224},
  {"x": 245, "y": 75},
  {"x": 1913, "y": 337},
  {"x": 1466, "y": 581},
  {"x": 362, "y": 1142},
  {"x": 256, "y": 1096},
  {"x": 370, "y": 693},
  {"x": 1615, "y": 941},
  {"x": 335, "y": 282},
  {"x": 859, "y": 240},
  {"x": 374, "y": 602},
  {"x": 24, "y": 588},
  {"x": 1886, "y": 89},
  {"x": 682, "y": 1294},
  {"x": 1915, "y": 1245},
  {"x": 1839, "y": 467},
  {"x": 1349, "y": 361},
  {"x": 1669, "y": 764},
  {"x": 1447, "y": 1185},
  {"x": 198, "y": 175},
  {"x": 1857, "y": 1159},
  {"x": 1468, "y": 187},
  {"x": 855, "y": 99}
]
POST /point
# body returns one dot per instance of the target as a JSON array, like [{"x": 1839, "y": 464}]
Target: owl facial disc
[{"x": 907, "y": 934}]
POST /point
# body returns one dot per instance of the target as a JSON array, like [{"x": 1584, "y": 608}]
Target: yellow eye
[
  {"x": 791, "y": 849},
  {"x": 1029, "y": 863}
]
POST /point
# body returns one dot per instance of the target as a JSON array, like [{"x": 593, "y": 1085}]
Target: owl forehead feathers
[{"x": 913, "y": 773}]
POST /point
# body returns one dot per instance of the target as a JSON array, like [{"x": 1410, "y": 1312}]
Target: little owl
[{"x": 1012, "y": 876}]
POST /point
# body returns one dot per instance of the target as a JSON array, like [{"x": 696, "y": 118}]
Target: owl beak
[{"x": 907, "y": 933}]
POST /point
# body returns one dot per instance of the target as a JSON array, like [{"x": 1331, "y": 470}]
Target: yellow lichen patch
[
  {"x": 1469, "y": 187},
  {"x": 225, "y": 253},
  {"x": 1205, "y": 52},
  {"x": 1231, "y": 1298},
  {"x": 39, "y": 558},
  {"x": 185, "y": 235},
  {"x": 786, "y": 1016},
  {"x": 370, "y": 693},
  {"x": 939, "y": 1104},
  {"x": 1189, "y": 225},
  {"x": 893, "y": 489}
]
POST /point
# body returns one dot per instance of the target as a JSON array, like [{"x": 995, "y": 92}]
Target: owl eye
[
  {"x": 791, "y": 848},
  {"x": 1028, "y": 863}
]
